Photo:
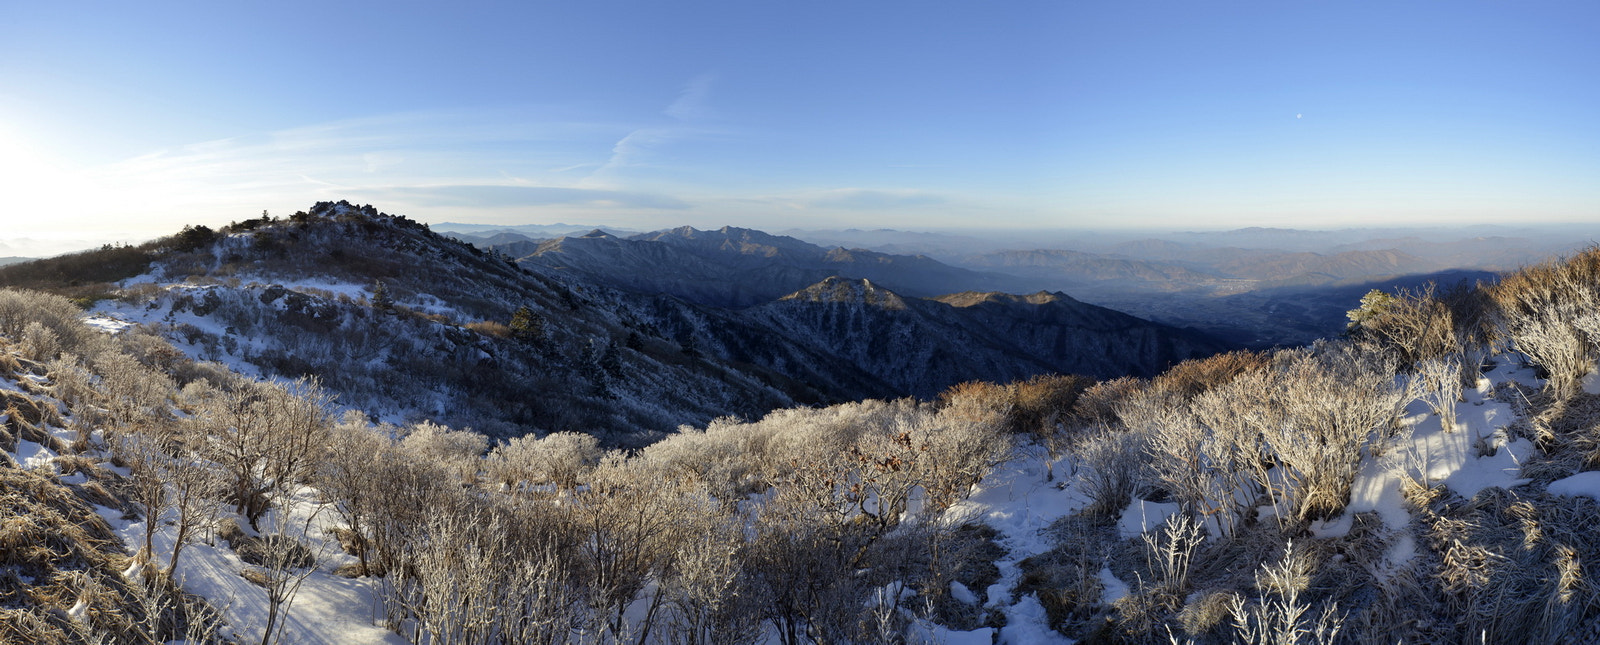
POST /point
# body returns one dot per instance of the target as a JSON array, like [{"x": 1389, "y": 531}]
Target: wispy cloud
[
  {"x": 693, "y": 101},
  {"x": 634, "y": 150}
]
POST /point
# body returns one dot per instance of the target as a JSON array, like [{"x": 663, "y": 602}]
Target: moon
[{"x": 1296, "y": 116}]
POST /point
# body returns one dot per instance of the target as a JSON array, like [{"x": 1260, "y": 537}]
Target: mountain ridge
[{"x": 407, "y": 324}]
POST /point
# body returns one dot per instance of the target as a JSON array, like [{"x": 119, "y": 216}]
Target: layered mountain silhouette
[
  {"x": 736, "y": 267},
  {"x": 921, "y": 346},
  {"x": 592, "y": 333}
]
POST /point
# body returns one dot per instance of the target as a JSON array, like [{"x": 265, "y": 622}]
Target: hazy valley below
[{"x": 1255, "y": 288}]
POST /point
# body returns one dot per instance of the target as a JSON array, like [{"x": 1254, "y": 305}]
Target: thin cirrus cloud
[
  {"x": 473, "y": 160},
  {"x": 689, "y": 113},
  {"x": 694, "y": 100}
]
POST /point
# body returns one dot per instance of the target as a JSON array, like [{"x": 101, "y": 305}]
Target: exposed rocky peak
[
  {"x": 849, "y": 291},
  {"x": 975, "y": 298}
]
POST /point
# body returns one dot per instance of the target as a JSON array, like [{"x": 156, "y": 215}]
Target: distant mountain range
[
  {"x": 535, "y": 231},
  {"x": 736, "y": 267},
  {"x": 618, "y": 336},
  {"x": 1257, "y": 297},
  {"x": 922, "y": 346}
]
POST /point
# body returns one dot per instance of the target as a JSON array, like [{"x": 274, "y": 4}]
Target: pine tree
[
  {"x": 528, "y": 326},
  {"x": 610, "y": 361},
  {"x": 591, "y": 365},
  {"x": 690, "y": 347},
  {"x": 381, "y": 300}
]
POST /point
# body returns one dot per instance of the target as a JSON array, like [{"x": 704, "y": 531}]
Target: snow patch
[
  {"x": 1141, "y": 516},
  {"x": 1582, "y": 484},
  {"x": 106, "y": 323},
  {"x": 1029, "y": 625},
  {"x": 962, "y": 593},
  {"x": 1591, "y": 382},
  {"x": 927, "y": 633},
  {"x": 33, "y": 456},
  {"x": 1112, "y": 588}
]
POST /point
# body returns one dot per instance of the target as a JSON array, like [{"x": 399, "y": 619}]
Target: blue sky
[{"x": 128, "y": 120}]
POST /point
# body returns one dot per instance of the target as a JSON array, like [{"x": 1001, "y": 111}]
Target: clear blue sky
[{"x": 136, "y": 118}]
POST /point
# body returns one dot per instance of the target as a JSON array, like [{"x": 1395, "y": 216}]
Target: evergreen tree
[
  {"x": 591, "y": 365},
  {"x": 381, "y": 300},
  {"x": 634, "y": 342},
  {"x": 528, "y": 326},
  {"x": 610, "y": 361},
  {"x": 194, "y": 237},
  {"x": 690, "y": 347}
]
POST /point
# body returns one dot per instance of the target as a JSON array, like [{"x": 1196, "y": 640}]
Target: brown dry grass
[
  {"x": 68, "y": 551},
  {"x": 1192, "y": 377},
  {"x": 490, "y": 328}
]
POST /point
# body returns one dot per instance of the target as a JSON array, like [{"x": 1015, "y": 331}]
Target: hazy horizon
[
  {"x": 991, "y": 238},
  {"x": 122, "y": 122}
]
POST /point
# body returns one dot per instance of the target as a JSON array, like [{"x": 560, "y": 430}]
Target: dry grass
[
  {"x": 1195, "y": 376},
  {"x": 1066, "y": 579},
  {"x": 26, "y": 418},
  {"x": 490, "y": 328},
  {"x": 1543, "y": 308},
  {"x": 54, "y": 539},
  {"x": 1515, "y": 568}
]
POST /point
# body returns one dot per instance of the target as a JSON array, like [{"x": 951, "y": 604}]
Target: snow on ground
[
  {"x": 1141, "y": 516},
  {"x": 1114, "y": 588},
  {"x": 1474, "y": 455},
  {"x": 1027, "y": 624},
  {"x": 924, "y": 633},
  {"x": 1478, "y": 454},
  {"x": 107, "y": 323},
  {"x": 1591, "y": 382},
  {"x": 1586, "y": 484},
  {"x": 1018, "y": 502},
  {"x": 33, "y": 456},
  {"x": 328, "y": 608}
]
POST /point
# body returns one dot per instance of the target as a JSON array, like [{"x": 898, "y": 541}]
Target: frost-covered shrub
[
  {"x": 1097, "y": 406},
  {"x": 1174, "y": 442},
  {"x": 1439, "y": 380},
  {"x": 1413, "y": 325},
  {"x": 20, "y": 309},
  {"x": 1110, "y": 465},
  {"x": 1192, "y": 377},
  {"x": 718, "y": 458},
  {"x": 459, "y": 451},
  {"x": 1281, "y": 616},
  {"x": 39, "y": 343},
  {"x": 1539, "y": 309},
  {"x": 1233, "y": 419},
  {"x": 561, "y": 458},
  {"x": 1336, "y": 404}
]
